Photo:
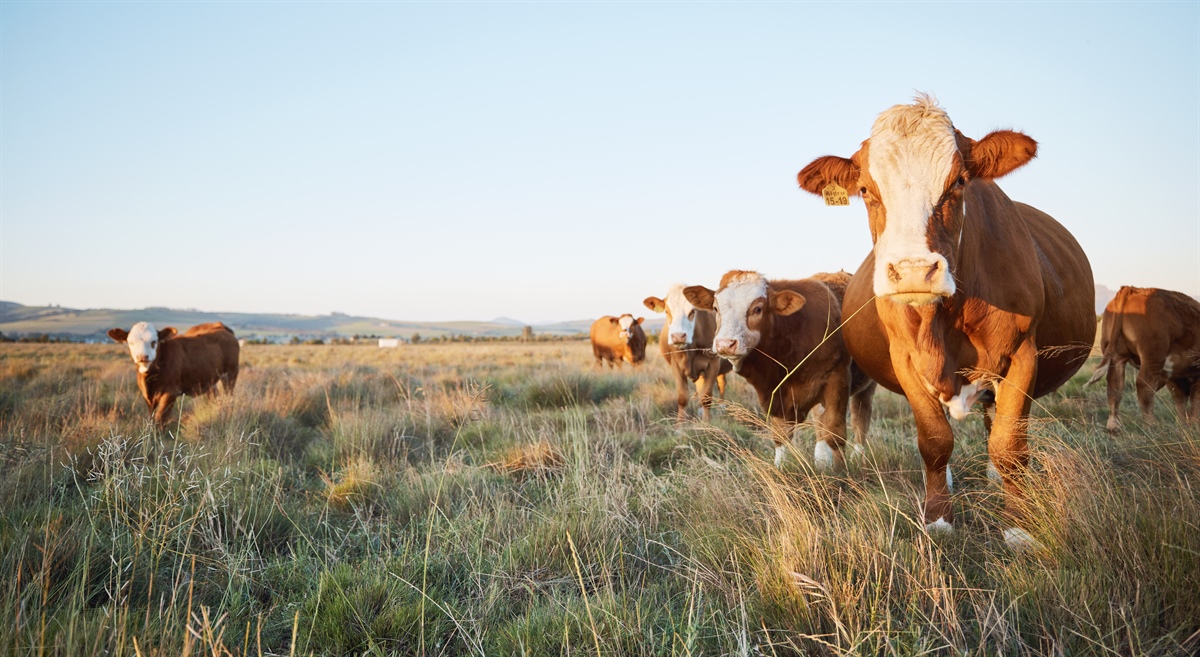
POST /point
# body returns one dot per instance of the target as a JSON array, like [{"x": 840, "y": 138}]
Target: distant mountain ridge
[{"x": 17, "y": 319}]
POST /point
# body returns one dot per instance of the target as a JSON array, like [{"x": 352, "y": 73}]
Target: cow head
[
  {"x": 143, "y": 342},
  {"x": 912, "y": 174},
  {"x": 626, "y": 322},
  {"x": 744, "y": 304},
  {"x": 681, "y": 315}
]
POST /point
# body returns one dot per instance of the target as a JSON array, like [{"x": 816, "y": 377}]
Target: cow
[
  {"x": 170, "y": 365},
  {"x": 1157, "y": 331},
  {"x": 964, "y": 290},
  {"x": 618, "y": 339},
  {"x": 686, "y": 342},
  {"x": 782, "y": 337}
]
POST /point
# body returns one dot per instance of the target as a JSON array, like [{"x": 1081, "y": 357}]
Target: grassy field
[{"x": 507, "y": 499}]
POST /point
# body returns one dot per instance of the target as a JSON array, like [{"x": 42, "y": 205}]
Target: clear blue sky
[{"x": 548, "y": 161}]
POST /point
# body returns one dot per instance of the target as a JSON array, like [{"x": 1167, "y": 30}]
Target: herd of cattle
[{"x": 966, "y": 297}]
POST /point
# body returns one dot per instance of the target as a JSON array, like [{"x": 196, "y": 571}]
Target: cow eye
[
  {"x": 691, "y": 314},
  {"x": 154, "y": 343},
  {"x": 757, "y": 310}
]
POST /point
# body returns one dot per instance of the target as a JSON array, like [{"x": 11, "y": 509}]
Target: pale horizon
[{"x": 548, "y": 162}]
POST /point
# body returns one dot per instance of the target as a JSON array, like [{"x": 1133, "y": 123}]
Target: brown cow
[
  {"x": 1157, "y": 331},
  {"x": 618, "y": 339},
  {"x": 171, "y": 365},
  {"x": 963, "y": 291},
  {"x": 686, "y": 343},
  {"x": 782, "y": 337}
]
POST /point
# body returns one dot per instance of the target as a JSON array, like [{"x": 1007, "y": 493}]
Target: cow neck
[{"x": 933, "y": 342}]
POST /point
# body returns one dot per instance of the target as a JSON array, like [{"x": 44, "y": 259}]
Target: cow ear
[
  {"x": 655, "y": 304},
  {"x": 614, "y": 321},
  {"x": 167, "y": 333},
  {"x": 999, "y": 154},
  {"x": 118, "y": 334},
  {"x": 700, "y": 296},
  {"x": 640, "y": 320},
  {"x": 829, "y": 169},
  {"x": 785, "y": 302}
]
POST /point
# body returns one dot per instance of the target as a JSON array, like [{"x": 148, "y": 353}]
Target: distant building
[{"x": 389, "y": 343}]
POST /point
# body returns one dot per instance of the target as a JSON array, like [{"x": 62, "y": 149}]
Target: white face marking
[
  {"x": 732, "y": 302},
  {"x": 143, "y": 345},
  {"x": 625, "y": 322},
  {"x": 910, "y": 156},
  {"x": 681, "y": 313},
  {"x": 939, "y": 525},
  {"x": 823, "y": 456}
]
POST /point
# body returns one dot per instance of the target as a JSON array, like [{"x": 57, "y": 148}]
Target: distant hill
[{"x": 16, "y": 319}]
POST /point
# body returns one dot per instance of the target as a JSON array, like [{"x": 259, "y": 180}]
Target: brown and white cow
[
  {"x": 964, "y": 290},
  {"x": 1157, "y": 331},
  {"x": 170, "y": 365},
  {"x": 686, "y": 344},
  {"x": 782, "y": 337},
  {"x": 618, "y": 339}
]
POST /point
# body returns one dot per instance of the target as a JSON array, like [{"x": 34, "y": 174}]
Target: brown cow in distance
[
  {"x": 964, "y": 290},
  {"x": 1157, "y": 331},
  {"x": 618, "y": 339},
  {"x": 170, "y": 365},
  {"x": 686, "y": 345},
  {"x": 782, "y": 335}
]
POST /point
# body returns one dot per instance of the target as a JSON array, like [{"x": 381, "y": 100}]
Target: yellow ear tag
[{"x": 835, "y": 194}]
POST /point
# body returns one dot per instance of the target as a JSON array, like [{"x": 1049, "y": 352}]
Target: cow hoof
[
  {"x": 823, "y": 456},
  {"x": 857, "y": 452},
  {"x": 1113, "y": 425},
  {"x": 1019, "y": 540},
  {"x": 940, "y": 526}
]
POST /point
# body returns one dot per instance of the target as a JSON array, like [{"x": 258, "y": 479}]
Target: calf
[
  {"x": 685, "y": 342},
  {"x": 1157, "y": 331},
  {"x": 618, "y": 339},
  {"x": 170, "y": 365},
  {"x": 783, "y": 338}
]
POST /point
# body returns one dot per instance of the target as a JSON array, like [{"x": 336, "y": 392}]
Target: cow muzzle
[
  {"x": 725, "y": 347},
  {"x": 916, "y": 281},
  {"x": 678, "y": 339}
]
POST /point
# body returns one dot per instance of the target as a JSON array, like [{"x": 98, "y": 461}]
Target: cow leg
[
  {"x": 861, "y": 404},
  {"x": 831, "y": 431},
  {"x": 1194, "y": 401},
  {"x": 1149, "y": 380},
  {"x": 781, "y": 435},
  {"x": 1008, "y": 444},
  {"x": 1115, "y": 381},
  {"x": 721, "y": 384},
  {"x": 1180, "y": 396},
  {"x": 163, "y": 409},
  {"x": 228, "y": 382},
  {"x": 681, "y": 395},
  {"x": 704, "y": 386}
]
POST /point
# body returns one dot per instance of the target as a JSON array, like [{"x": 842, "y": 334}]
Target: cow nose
[
  {"x": 913, "y": 271},
  {"x": 678, "y": 338},
  {"x": 726, "y": 346}
]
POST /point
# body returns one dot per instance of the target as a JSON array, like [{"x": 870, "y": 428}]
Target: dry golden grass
[{"x": 508, "y": 498}]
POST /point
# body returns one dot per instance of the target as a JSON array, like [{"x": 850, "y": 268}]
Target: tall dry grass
[{"x": 507, "y": 499}]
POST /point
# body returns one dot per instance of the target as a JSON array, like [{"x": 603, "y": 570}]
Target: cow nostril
[
  {"x": 932, "y": 271},
  {"x": 893, "y": 275}
]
